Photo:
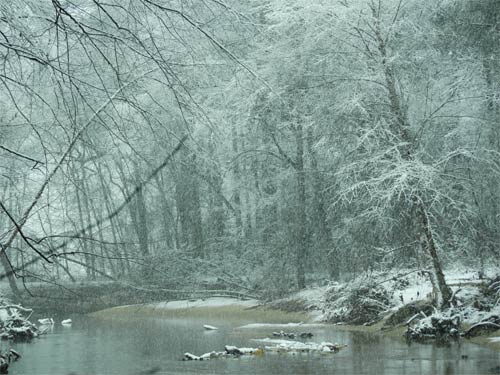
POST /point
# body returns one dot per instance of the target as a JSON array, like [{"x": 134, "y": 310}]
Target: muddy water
[{"x": 155, "y": 345}]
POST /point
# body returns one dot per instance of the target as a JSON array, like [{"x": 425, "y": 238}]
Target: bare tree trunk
[
  {"x": 10, "y": 275},
  {"x": 86, "y": 256},
  {"x": 320, "y": 221},
  {"x": 7, "y": 266},
  {"x": 120, "y": 226},
  {"x": 169, "y": 224},
  {"x": 86, "y": 205},
  {"x": 20, "y": 224},
  {"x": 168, "y": 219},
  {"x": 237, "y": 178},
  {"x": 97, "y": 214},
  {"x": 401, "y": 126},
  {"x": 142, "y": 214},
  {"x": 301, "y": 209},
  {"x": 444, "y": 292},
  {"x": 106, "y": 194},
  {"x": 187, "y": 193},
  {"x": 215, "y": 202}
]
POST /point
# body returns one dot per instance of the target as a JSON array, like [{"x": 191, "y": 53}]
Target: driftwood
[
  {"x": 5, "y": 360},
  {"x": 283, "y": 346},
  {"x": 434, "y": 327},
  {"x": 490, "y": 324},
  {"x": 13, "y": 325}
]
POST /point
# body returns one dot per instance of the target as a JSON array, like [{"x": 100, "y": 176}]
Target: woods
[{"x": 264, "y": 146}]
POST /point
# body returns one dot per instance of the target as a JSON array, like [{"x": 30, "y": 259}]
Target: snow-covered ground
[{"x": 208, "y": 302}]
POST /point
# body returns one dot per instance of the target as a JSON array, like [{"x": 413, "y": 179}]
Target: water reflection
[{"x": 154, "y": 346}]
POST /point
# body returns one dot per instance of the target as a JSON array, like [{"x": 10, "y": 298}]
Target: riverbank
[
  {"x": 210, "y": 308},
  {"x": 261, "y": 316},
  {"x": 376, "y": 303},
  {"x": 390, "y": 303}
]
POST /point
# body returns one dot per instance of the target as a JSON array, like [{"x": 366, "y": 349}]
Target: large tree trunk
[
  {"x": 10, "y": 275},
  {"x": 401, "y": 127},
  {"x": 427, "y": 239}
]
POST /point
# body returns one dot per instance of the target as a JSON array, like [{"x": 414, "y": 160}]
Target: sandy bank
[{"x": 216, "y": 308}]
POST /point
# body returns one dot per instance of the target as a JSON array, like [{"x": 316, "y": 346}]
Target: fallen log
[{"x": 485, "y": 326}]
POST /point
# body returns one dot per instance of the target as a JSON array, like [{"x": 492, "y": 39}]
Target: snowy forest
[{"x": 254, "y": 149}]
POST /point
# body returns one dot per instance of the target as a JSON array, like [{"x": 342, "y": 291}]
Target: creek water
[{"x": 156, "y": 345}]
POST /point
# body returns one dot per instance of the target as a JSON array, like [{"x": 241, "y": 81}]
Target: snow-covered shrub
[{"x": 359, "y": 304}]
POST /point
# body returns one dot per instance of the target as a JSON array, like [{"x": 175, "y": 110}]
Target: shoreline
[
  {"x": 258, "y": 315},
  {"x": 210, "y": 308}
]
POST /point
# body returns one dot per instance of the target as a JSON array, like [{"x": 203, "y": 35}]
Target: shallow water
[{"x": 155, "y": 346}]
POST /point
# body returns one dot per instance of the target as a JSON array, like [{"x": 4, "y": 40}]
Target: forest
[{"x": 259, "y": 147}]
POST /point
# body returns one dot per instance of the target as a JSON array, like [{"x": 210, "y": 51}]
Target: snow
[
  {"x": 208, "y": 302},
  {"x": 288, "y": 345},
  {"x": 46, "y": 321},
  {"x": 273, "y": 341},
  {"x": 3, "y": 314},
  {"x": 495, "y": 339},
  {"x": 415, "y": 292},
  {"x": 403, "y": 287},
  {"x": 313, "y": 296}
]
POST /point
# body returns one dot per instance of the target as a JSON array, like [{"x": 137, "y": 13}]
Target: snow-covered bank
[
  {"x": 208, "y": 302},
  {"x": 211, "y": 310},
  {"x": 405, "y": 299}
]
